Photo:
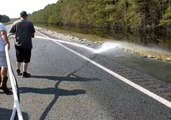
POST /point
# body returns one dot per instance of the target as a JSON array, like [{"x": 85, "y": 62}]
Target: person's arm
[
  {"x": 32, "y": 29},
  {"x": 12, "y": 29},
  {"x": 5, "y": 38}
]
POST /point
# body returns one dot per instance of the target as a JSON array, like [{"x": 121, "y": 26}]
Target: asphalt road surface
[{"x": 65, "y": 86}]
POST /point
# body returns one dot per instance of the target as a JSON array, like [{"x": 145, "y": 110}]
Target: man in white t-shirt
[{"x": 3, "y": 64}]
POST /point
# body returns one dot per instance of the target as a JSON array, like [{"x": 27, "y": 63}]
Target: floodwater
[
  {"x": 155, "y": 68},
  {"x": 148, "y": 40}
]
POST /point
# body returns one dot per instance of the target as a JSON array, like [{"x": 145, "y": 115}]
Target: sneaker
[
  {"x": 25, "y": 74},
  {"x": 18, "y": 72}
]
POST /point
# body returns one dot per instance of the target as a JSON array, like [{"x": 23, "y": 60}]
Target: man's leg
[
  {"x": 25, "y": 66},
  {"x": 3, "y": 72},
  {"x": 27, "y": 57},
  {"x": 18, "y": 65},
  {"x": 25, "y": 74},
  {"x": 19, "y": 59},
  {"x": 4, "y": 79}
]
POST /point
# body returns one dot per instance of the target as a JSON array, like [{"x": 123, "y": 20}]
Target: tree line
[{"x": 152, "y": 17}]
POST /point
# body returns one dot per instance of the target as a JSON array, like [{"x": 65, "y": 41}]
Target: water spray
[
  {"x": 103, "y": 48},
  {"x": 106, "y": 47}
]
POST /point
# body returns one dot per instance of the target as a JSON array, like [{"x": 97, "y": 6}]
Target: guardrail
[{"x": 16, "y": 113}]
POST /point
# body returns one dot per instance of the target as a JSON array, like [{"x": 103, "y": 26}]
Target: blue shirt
[{"x": 2, "y": 42}]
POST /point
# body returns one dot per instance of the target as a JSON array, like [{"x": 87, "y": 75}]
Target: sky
[{"x": 12, "y": 8}]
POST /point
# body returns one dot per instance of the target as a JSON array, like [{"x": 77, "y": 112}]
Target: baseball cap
[{"x": 23, "y": 14}]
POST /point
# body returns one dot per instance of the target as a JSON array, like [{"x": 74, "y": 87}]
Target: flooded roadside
[
  {"x": 155, "y": 68},
  {"x": 147, "y": 60},
  {"x": 156, "y": 49}
]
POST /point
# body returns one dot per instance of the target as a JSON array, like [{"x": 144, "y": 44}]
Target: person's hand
[
  {"x": 9, "y": 34},
  {"x": 32, "y": 35},
  {"x": 8, "y": 46}
]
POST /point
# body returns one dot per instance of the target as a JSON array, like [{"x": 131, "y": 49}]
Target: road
[{"x": 66, "y": 86}]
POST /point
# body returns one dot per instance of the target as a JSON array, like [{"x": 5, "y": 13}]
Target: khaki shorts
[{"x": 3, "y": 61}]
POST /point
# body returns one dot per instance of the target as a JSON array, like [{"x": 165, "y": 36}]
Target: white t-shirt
[{"x": 2, "y": 43}]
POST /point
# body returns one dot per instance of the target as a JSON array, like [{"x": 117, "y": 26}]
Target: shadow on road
[
  {"x": 56, "y": 91},
  {"x": 5, "y": 114}
]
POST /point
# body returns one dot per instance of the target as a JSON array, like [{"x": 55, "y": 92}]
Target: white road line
[
  {"x": 136, "y": 86},
  {"x": 45, "y": 36}
]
